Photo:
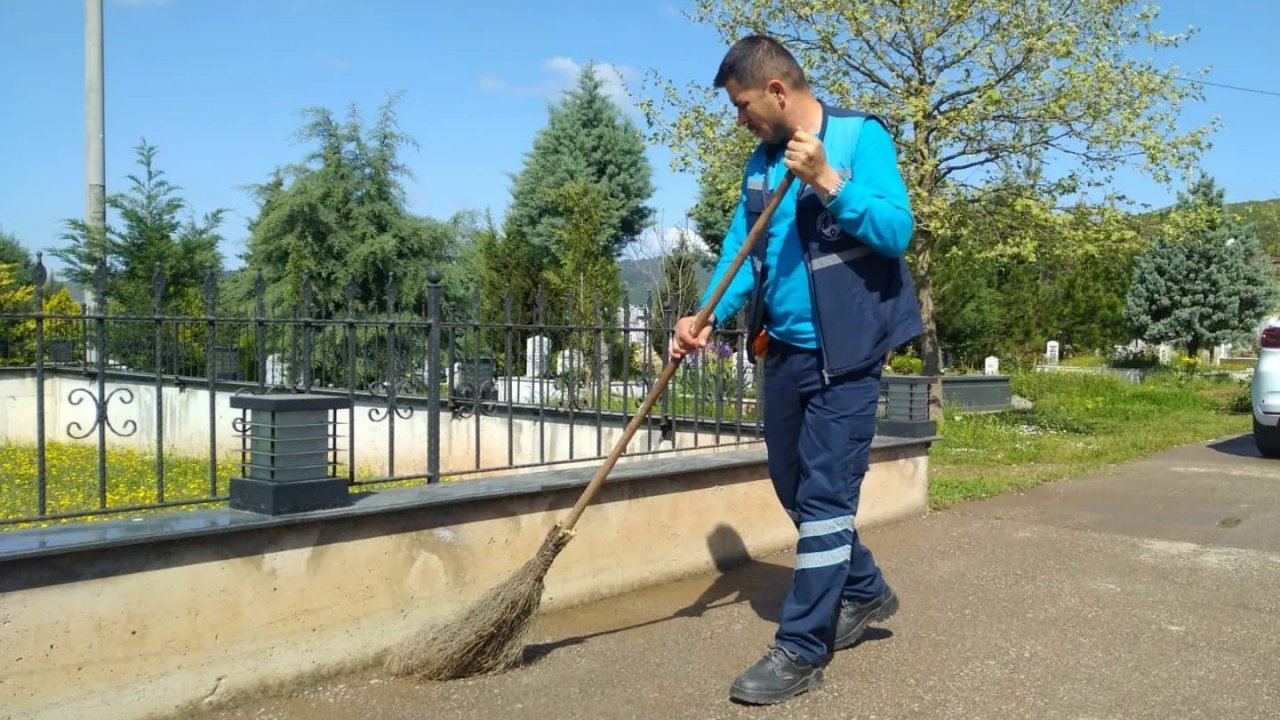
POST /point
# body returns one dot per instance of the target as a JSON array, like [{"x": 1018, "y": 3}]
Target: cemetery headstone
[
  {"x": 1051, "y": 352},
  {"x": 991, "y": 366},
  {"x": 277, "y": 370},
  {"x": 538, "y": 351},
  {"x": 571, "y": 361}
]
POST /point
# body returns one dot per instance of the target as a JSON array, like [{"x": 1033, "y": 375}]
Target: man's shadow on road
[{"x": 763, "y": 585}]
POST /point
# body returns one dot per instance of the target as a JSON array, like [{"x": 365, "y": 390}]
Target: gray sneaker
[{"x": 856, "y": 616}]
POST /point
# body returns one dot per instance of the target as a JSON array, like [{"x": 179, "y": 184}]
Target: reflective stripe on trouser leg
[
  {"x": 824, "y": 543},
  {"x": 822, "y": 565}
]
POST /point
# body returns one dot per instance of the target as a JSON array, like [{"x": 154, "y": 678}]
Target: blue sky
[{"x": 217, "y": 85}]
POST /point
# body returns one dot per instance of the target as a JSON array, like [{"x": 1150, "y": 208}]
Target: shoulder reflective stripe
[
  {"x": 826, "y": 558},
  {"x": 814, "y": 528},
  {"x": 837, "y": 258}
]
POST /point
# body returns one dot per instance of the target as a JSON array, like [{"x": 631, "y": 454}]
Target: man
[{"x": 830, "y": 298}]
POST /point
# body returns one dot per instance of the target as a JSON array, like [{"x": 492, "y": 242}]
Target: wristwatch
[{"x": 826, "y": 199}]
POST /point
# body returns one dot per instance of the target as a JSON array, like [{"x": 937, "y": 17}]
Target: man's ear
[{"x": 777, "y": 89}]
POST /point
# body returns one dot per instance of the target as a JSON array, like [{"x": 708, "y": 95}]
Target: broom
[{"x": 488, "y": 637}]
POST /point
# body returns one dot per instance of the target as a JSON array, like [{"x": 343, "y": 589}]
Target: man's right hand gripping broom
[{"x": 684, "y": 341}]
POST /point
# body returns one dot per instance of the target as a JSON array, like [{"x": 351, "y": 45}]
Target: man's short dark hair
[{"x": 755, "y": 60}]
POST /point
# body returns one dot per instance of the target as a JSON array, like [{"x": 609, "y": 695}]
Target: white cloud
[
  {"x": 563, "y": 75},
  {"x": 657, "y": 241}
]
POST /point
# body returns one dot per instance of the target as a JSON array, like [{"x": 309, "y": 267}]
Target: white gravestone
[
  {"x": 636, "y": 318},
  {"x": 1165, "y": 353},
  {"x": 538, "y": 351},
  {"x": 571, "y": 361},
  {"x": 277, "y": 370},
  {"x": 1051, "y": 352},
  {"x": 992, "y": 366}
]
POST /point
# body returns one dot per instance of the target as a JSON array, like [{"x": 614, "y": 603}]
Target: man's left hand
[{"x": 807, "y": 159}]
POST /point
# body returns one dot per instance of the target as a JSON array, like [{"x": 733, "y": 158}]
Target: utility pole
[
  {"x": 95, "y": 181},
  {"x": 95, "y": 213}
]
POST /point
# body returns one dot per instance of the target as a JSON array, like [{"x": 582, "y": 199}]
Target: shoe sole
[
  {"x": 880, "y": 614},
  {"x": 747, "y": 697}
]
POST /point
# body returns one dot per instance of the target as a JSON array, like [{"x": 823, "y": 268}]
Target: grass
[
  {"x": 72, "y": 483},
  {"x": 72, "y": 479},
  {"x": 1079, "y": 423}
]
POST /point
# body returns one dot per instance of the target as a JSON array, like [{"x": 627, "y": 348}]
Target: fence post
[
  {"x": 157, "y": 288},
  {"x": 433, "y": 378},
  {"x": 39, "y": 276},
  {"x": 307, "y": 335}
]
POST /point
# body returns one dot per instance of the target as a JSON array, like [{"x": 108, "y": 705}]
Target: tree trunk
[{"x": 930, "y": 350}]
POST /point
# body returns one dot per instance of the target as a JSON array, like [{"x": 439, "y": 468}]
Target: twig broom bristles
[{"x": 488, "y": 637}]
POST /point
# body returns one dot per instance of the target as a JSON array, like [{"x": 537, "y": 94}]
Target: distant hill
[
  {"x": 642, "y": 275},
  {"x": 1265, "y": 216}
]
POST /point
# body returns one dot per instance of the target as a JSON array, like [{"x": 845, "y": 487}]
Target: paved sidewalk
[{"x": 1150, "y": 590}]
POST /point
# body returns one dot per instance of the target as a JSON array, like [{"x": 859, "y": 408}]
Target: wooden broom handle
[{"x": 760, "y": 227}]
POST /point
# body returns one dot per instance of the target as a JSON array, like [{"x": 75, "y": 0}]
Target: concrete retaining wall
[{"x": 122, "y": 619}]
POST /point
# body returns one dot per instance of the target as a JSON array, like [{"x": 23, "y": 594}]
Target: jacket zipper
[
  {"x": 808, "y": 261},
  {"x": 817, "y": 317}
]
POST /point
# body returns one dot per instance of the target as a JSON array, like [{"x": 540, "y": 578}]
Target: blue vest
[{"x": 864, "y": 303}]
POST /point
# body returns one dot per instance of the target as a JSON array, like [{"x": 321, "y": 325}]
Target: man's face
[{"x": 760, "y": 109}]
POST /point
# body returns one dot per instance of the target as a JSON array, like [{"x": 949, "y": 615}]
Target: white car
[{"x": 1266, "y": 394}]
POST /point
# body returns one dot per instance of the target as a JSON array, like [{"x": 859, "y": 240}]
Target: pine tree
[
  {"x": 1204, "y": 281},
  {"x": 587, "y": 138},
  {"x": 338, "y": 218},
  {"x": 583, "y": 186},
  {"x": 151, "y": 236}
]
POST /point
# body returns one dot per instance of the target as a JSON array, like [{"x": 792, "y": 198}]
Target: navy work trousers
[{"x": 818, "y": 436}]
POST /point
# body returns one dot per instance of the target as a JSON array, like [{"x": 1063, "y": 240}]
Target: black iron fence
[{"x": 522, "y": 389}]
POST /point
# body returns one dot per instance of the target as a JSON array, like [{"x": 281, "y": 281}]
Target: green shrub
[
  {"x": 906, "y": 363},
  {"x": 1242, "y": 402}
]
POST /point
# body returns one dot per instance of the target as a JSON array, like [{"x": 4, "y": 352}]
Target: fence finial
[{"x": 38, "y": 274}]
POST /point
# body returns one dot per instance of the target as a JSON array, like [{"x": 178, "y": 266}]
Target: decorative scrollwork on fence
[
  {"x": 101, "y": 415},
  {"x": 240, "y": 425},
  {"x": 383, "y": 389}
]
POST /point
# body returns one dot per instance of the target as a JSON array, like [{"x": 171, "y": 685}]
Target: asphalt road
[{"x": 1149, "y": 590}]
